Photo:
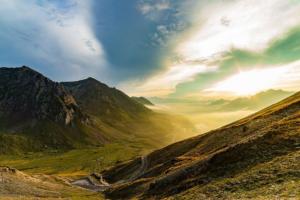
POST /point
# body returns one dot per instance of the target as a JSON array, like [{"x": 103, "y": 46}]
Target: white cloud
[
  {"x": 63, "y": 38},
  {"x": 152, "y": 10},
  {"x": 244, "y": 24}
]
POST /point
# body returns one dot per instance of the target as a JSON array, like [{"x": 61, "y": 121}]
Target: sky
[{"x": 158, "y": 48}]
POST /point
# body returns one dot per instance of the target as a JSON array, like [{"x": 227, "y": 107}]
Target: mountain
[
  {"x": 118, "y": 113},
  {"x": 26, "y": 94},
  {"x": 107, "y": 103},
  {"x": 257, "y": 101},
  {"x": 143, "y": 100},
  {"x": 38, "y": 114},
  {"x": 256, "y": 157}
]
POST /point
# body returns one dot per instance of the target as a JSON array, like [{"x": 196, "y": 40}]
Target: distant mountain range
[
  {"x": 39, "y": 114},
  {"x": 254, "y": 102},
  {"x": 208, "y": 114},
  {"x": 256, "y": 157}
]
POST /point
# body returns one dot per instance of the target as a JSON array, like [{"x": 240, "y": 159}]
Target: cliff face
[{"x": 26, "y": 94}]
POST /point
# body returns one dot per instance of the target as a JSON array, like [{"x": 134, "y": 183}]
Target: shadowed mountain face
[
  {"x": 27, "y": 95},
  {"x": 38, "y": 114},
  {"x": 255, "y": 157}
]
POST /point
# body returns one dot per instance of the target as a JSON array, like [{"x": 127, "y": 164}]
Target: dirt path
[
  {"x": 141, "y": 170},
  {"x": 89, "y": 184}
]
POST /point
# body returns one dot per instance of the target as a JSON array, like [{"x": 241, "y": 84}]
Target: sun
[{"x": 247, "y": 83}]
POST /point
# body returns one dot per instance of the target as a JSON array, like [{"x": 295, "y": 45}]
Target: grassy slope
[
  {"x": 228, "y": 152},
  {"x": 46, "y": 135}
]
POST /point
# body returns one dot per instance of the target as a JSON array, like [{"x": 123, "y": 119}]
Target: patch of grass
[{"x": 73, "y": 163}]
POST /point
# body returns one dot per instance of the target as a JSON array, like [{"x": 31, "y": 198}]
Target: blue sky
[
  {"x": 44, "y": 34},
  {"x": 165, "y": 48}
]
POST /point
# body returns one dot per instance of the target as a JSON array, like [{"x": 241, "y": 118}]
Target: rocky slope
[{"x": 255, "y": 157}]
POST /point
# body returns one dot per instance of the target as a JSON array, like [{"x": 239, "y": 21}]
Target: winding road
[
  {"x": 88, "y": 183},
  {"x": 102, "y": 185},
  {"x": 140, "y": 171}
]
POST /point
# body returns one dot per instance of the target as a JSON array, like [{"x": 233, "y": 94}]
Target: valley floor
[{"x": 74, "y": 163}]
